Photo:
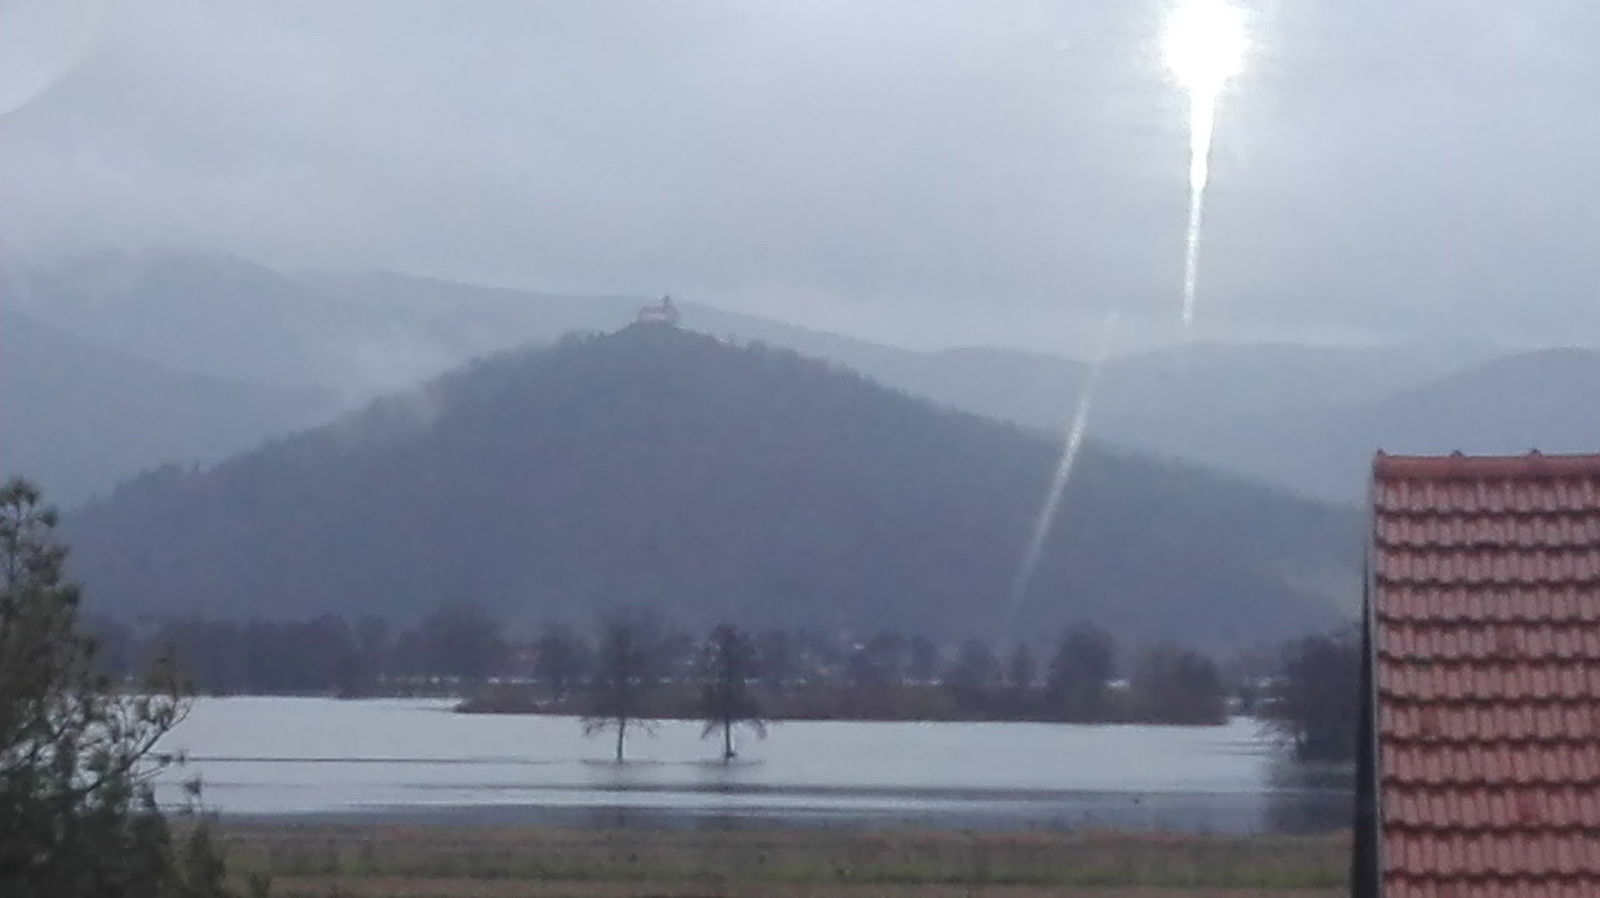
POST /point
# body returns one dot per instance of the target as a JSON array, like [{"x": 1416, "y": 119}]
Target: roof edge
[{"x": 1457, "y": 466}]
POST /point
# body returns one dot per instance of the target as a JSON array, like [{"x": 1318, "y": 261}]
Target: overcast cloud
[{"x": 923, "y": 172}]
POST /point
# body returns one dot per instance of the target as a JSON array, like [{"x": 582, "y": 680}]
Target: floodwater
[{"x": 412, "y": 760}]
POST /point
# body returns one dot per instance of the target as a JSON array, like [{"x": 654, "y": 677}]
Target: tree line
[
  {"x": 628, "y": 678},
  {"x": 560, "y": 668},
  {"x": 325, "y": 654},
  {"x": 1306, "y": 690}
]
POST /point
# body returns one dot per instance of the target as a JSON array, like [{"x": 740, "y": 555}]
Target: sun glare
[{"x": 1204, "y": 44}]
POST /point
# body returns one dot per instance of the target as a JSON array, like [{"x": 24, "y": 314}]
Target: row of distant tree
[
  {"x": 1308, "y": 691},
  {"x": 736, "y": 678},
  {"x": 560, "y": 667}
]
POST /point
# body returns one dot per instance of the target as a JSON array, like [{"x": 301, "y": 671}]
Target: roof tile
[
  {"x": 1482, "y": 807},
  {"x": 1577, "y": 764},
  {"x": 1486, "y": 617},
  {"x": 1443, "y": 604}
]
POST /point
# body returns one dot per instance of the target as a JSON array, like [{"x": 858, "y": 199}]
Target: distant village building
[
  {"x": 663, "y": 312},
  {"x": 1479, "y": 761}
]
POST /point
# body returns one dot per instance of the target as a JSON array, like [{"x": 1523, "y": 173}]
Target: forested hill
[{"x": 664, "y": 468}]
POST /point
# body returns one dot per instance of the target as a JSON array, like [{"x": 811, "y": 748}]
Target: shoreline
[
  {"x": 897, "y": 703},
  {"x": 466, "y": 706},
  {"x": 1303, "y": 811},
  {"x": 489, "y": 705}
]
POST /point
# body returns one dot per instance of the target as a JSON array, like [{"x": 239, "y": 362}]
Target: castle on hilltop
[{"x": 663, "y": 312}]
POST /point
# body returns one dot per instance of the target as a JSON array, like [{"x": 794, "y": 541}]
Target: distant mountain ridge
[
  {"x": 79, "y": 417},
  {"x": 360, "y": 335},
  {"x": 1545, "y": 400},
  {"x": 667, "y": 468},
  {"x": 357, "y": 334}
]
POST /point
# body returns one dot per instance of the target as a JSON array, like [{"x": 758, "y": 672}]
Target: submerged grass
[{"x": 494, "y": 860}]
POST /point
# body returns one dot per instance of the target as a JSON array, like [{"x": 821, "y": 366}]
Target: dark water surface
[{"x": 415, "y": 761}]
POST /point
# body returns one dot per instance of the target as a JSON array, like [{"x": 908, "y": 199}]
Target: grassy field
[{"x": 469, "y": 861}]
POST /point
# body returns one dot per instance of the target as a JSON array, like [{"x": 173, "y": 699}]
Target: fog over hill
[
  {"x": 358, "y": 335},
  {"x": 80, "y": 417},
  {"x": 1544, "y": 400},
  {"x": 666, "y": 468}
]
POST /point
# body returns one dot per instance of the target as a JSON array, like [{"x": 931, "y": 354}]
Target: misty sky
[{"x": 916, "y": 171}]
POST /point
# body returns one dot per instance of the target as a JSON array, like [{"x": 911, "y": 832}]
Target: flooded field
[{"x": 415, "y": 760}]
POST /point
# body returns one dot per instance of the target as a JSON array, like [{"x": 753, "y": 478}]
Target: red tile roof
[{"x": 1486, "y": 625}]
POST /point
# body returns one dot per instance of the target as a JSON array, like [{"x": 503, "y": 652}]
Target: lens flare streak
[
  {"x": 1045, "y": 521},
  {"x": 1202, "y": 118}
]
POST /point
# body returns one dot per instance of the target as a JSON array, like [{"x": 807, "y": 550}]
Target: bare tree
[
  {"x": 560, "y": 658},
  {"x": 1315, "y": 701},
  {"x": 1022, "y": 672},
  {"x": 1172, "y": 684},
  {"x": 1077, "y": 686},
  {"x": 460, "y": 639},
  {"x": 728, "y": 662},
  {"x": 923, "y": 664},
  {"x": 879, "y": 662},
  {"x": 972, "y": 677},
  {"x": 777, "y": 658},
  {"x": 627, "y": 671}
]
